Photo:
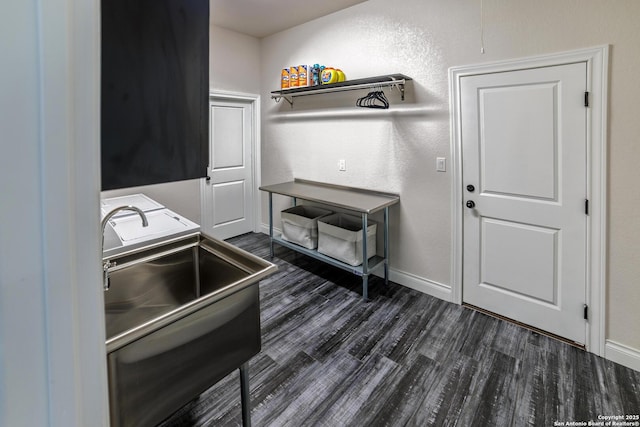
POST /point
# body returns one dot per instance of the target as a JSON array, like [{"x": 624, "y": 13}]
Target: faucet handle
[
  {"x": 108, "y": 264},
  {"x": 106, "y": 280}
]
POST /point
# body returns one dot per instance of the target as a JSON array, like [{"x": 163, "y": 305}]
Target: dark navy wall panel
[{"x": 155, "y": 85}]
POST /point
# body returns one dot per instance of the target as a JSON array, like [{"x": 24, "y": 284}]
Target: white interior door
[
  {"x": 524, "y": 157},
  {"x": 229, "y": 193}
]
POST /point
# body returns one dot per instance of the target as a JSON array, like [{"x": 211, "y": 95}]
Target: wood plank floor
[{"x": 402, "y": 359}]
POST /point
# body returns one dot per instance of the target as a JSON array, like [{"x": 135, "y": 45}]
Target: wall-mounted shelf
[{"x": 393, "y": 80}]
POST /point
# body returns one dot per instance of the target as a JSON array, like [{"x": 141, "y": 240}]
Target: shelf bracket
[{"x": 277, "y": 98}]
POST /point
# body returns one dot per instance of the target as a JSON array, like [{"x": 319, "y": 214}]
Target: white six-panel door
[
  {"x": 524, "y": 175},
  {"x": 229, "y": 193}
]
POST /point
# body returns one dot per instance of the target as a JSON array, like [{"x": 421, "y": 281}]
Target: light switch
[{"x": 441, "y": 164}]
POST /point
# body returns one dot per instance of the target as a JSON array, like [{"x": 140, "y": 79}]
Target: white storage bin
[
  {"x": 300, "y": 225},
  {"x": 340, "y": 237}
]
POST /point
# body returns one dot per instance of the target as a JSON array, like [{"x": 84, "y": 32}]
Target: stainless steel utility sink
[{"x": 179, "y": 317}]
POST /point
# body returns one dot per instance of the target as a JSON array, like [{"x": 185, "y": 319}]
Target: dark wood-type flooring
[{"x": 404, "y": 358}]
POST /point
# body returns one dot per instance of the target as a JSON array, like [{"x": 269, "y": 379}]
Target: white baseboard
[
  {"x": 620, "y": 353},
  {"x": 420, "y": 284},
  {"x": 409, "y": 280}
]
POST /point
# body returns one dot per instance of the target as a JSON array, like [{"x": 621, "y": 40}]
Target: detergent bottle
[
  {"x": 303, "y": 76},
  {"x": 329, "y": 75},
  {"x": 284, "y": 79},
  {"x": 293, "y": 76}
]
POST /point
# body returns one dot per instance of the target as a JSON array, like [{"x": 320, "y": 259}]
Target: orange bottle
[
  {"x": 303, "y": 76},
  {"x": 293, "y": 76},
  {"x": 284, "y": 79}
]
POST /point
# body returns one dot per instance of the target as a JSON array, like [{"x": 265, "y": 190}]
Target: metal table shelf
[{"x": 364, "y": 202}]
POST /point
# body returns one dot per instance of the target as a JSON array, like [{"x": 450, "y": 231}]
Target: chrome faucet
[{"x": 108, "y": 264}]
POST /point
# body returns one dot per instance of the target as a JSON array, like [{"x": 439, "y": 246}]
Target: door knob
[
  {"x": 208, "y": 178},
  {"x": 471, "y": 204},
  {"x": 471, "y": 188}
]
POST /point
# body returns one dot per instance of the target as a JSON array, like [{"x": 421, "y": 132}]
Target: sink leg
[{"x": 244, "y": 395}]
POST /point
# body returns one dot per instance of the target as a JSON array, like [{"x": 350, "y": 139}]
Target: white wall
[
  {"x": 52, "y": 343},
  {"x": 234, "y": 66},
  {"x": 234, "y": 61},
  {"x": 396, "y": 151}
]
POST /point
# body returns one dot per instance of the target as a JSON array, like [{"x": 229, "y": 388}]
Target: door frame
[
  {"x": 254, "y": 100},
  {"x": 597, "y": 60}
]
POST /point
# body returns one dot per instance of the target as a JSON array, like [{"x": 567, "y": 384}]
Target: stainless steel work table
[{"x": 364, "y": 202}]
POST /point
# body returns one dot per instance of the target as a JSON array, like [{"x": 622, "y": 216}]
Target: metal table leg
[
  {"x": 245, "y": 395},
  {"x": 271, "y": 224},
  {"x": 365, "y": 259},
  {"x": 386, "y": 246}
]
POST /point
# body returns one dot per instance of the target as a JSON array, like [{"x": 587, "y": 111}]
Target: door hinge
[
  {"x": 586, "y": 312},
  {"x": 586, "y": 206},
  {"x": 586, "y": 99}
]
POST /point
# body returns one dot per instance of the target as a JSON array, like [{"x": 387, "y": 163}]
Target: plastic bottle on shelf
[
  {"x": 284, "y": 79},
  {"x": 329, "y": 75},
  {"x": 293, "y": 76},
  {"x": 315, "y": 75},
  {"x": 303, "y": 76}
]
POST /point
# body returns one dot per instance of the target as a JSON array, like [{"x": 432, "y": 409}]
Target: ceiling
[{"x": 260, "y": 18}]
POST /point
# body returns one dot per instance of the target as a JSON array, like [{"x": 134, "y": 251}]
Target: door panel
[
  {"x": 228, "y": 132},
  {"x": 228, "y": 199},
  {"x": 234, "y": 208},
  {"x": 524, "y": 150},
  {"x": 504, "y": 266}
]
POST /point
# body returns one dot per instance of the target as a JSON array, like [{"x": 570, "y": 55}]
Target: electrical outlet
[
  {"x": 342, "y": 165},
  {"x": 441, "y": 164}
]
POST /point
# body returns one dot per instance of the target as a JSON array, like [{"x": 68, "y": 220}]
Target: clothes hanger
[
  {"x": 380, "y": 96},
  {"x": 374, "y": 99}
]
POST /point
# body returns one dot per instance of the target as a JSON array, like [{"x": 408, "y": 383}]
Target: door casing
[
  {"x": 255, "y": 146},
  {"x": 597, "y": 59}
]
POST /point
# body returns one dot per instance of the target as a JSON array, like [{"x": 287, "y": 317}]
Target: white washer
[{"x": 125, "y": 233}]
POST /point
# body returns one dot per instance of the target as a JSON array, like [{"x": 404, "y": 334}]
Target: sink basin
[{"x": 180, "y": 316}]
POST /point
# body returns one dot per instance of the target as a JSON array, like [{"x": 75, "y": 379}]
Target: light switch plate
[{"x": 441, "y": 164}]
